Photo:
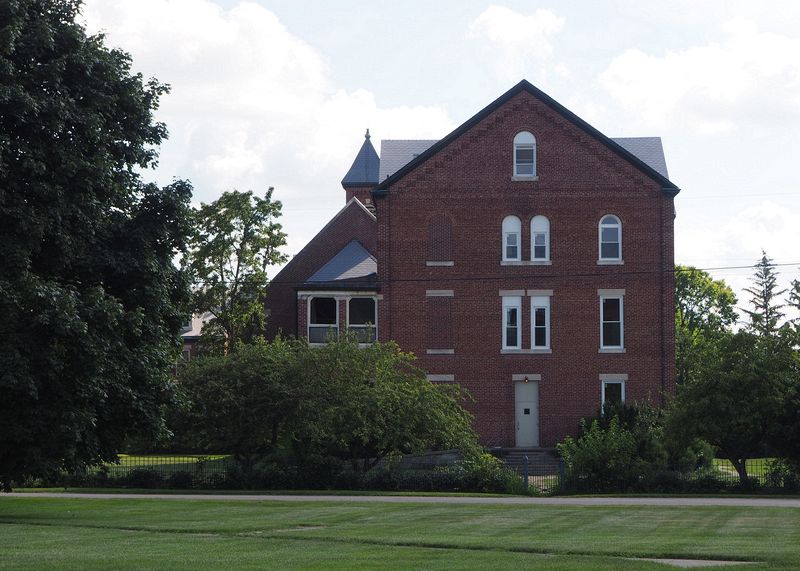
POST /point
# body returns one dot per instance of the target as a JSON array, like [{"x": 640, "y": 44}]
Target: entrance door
[{"x": 527, "y": 417}]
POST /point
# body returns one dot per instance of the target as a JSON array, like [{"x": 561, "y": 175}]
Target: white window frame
[
  {"x": 606, "y": 380},
  {"x": 508, "y": 225},
  {"x": 524, "y": 140},
  {"x": 608, "y": 295},
  {"x": 374, "y": 325},
  {"x": 540, "y": 225},
  {"x": 511, "y": 302},
  {"x": 309, "y": 325},
  {"x": 540, "y": 302},
  {"x": 618, "y": 227}
]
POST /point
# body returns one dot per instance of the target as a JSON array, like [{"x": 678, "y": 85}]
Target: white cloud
[
  {"x": 252, "y": 105},
  {"x": 519, "y": 40},
  {"x": 750, "y": 76}
]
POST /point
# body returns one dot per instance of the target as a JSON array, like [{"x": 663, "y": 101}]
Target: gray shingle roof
[
  {"x": 397, "y": 153},
  {"x": 648, "y": 149},
  {"x": 352, "y": 261},
  {"x": 364, "y": 170}
]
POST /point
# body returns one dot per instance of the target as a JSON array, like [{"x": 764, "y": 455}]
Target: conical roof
[{"x": 364, "y": 171}]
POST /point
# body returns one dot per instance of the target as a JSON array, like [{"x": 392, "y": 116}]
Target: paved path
[{"x": 518, "y": 501}]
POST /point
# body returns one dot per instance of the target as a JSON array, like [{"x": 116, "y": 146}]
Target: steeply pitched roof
[
  {"x": 648, "y": 149},
  {"x": 364, "y": 171},
  {"x": 352, "y": 262},
  {"x": 395, "y": 154},
  {"x": 667, "y": 185}
]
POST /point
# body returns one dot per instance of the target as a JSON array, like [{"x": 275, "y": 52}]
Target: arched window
[
  {"x": 512, "y": 230},
  {"x": 610, "y": 239},
  {"x": 525, "y": 155},
  {"x": 540, "y": 239}
]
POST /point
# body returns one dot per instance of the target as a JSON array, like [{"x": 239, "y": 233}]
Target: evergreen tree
[{"x": 766, "y": 314}]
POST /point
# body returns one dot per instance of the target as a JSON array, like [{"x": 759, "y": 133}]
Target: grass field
[{"x": 44, "y": 533}]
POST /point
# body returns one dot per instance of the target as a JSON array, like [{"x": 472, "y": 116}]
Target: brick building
[{"x": 525, "y": 256}]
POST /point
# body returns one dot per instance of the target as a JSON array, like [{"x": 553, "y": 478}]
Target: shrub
[{"x": 181, "y": 480}]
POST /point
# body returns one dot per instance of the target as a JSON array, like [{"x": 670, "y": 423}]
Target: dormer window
[
  {"x": 512, "y": 231},
  {"x": 524, "y": 156}
]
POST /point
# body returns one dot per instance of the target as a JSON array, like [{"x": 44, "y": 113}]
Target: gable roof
[
  {"x": 667, "y": 185},
  {"x": 395, "y": 154},
  {"x": 364, "y": 171}
]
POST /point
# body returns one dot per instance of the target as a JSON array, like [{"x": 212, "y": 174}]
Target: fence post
[
  {"x": 525, "y": 471},
  {"x": 562, "y": 470}
]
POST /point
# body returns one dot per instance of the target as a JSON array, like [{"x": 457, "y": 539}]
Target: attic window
[{"x": 524, "y": 156}]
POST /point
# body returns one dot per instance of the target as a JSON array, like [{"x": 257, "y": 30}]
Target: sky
[{"x": 279, "y": 93}]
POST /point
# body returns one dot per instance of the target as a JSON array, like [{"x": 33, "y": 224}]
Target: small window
[
  {"x": 540, "y": 239},
  {"x": 540, "y": 322},
  {"x": 613, "y": 392},
  {"x": 362, "y": 318},
  {"x": 323, "y": 319},
  {"x": 186, "y": 354},
  {"x": 524, "y": 155},
  {"x": 186, "y": 325},
  {"x": 512, "y": 312},
  {"x": 610, "y": 239},
  {"x": 512, "y": 230},
  {"x": 611, "y": 323}
]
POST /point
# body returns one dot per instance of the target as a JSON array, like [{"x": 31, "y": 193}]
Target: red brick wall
[
  {"x": 353, "y": 223},
  {"x": 580, "y": 180}
]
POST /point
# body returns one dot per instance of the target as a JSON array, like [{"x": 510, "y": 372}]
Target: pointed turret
[{"x": 363, "y": 175}]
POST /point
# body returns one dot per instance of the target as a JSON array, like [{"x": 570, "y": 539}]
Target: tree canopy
[
  {"x": 235, "y": 239},
  {"x": 91, "y": 301}
]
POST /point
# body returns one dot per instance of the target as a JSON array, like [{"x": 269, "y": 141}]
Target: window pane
[
  {"x": 612, "y": 335},
  {"x": 511, "y": 316},
  {"x": 609, "y": 251},
  {"x": 540, "y": 337},
  {"x": 362, "y": 311},
  {"x": 539, "y": 253},
  {"x": 609, "y": 234},
  {"x": 525, "y": 169},
  {"x": 320, "y": 334},
  {"x": 538, "y": 239},
  {"x": 610, "y": 309},
  {"x": 511, "y": 239},
  {"x": 608, "y": 220},
  {"x": 323, "y": 310},
  {"x": 525, "y": 155},
  {"x": 364, "y": 334},
  {"x": 511, "y": 337},
  {"x": 540, "y": 317},
  {"x": 613, "y": 393},
  {"x": 511, "y": 253}
]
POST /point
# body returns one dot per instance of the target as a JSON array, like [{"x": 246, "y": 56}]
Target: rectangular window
[
  {"x": 362, "y": 318},
  {"x": 539, "y": 246},
  {"x": 512, "y": 312},
  {"x": 613, "y": 392},
  {"x": 611, "y": 323},
  {"x": 512, "y": 246},
  {"x": 524, "y": 160},
  {"x": 540, "y": 316},
  {"x": 323, "y": 318}
]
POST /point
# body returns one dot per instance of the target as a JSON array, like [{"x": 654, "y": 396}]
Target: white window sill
[
  {"x": 440, "y": 351},
  {"x": 537, "y": 351},
  {"x": 526, "y": 263},
  {"x": 610, "y": 262},
  {"x": 522, "y": 178},
  {"x": 439, "y": 264},
  {"x": 611, "y": 350}
]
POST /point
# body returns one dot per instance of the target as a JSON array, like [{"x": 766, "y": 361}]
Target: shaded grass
[{"x": 95, "y": 534}]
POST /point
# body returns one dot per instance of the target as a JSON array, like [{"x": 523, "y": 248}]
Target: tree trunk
[{"x": 741, "y": 468}]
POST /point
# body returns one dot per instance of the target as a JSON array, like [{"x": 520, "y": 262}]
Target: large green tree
[
  {"x": 704, "y": 309},
  {"x": 91, "y": 303},
  {"x": 236, "y": 239}
]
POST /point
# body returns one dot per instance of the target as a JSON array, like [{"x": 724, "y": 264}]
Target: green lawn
[{"x": 43, "y": 533}]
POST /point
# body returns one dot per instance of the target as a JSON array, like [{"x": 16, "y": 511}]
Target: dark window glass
[
  {"x": 612, "y": 335},
  {"x": 610, "y": 309},
  {"x": 362, "y": 311},
  {"x": 609, "y": 251},
  {"x": 323, "y": 311},
  {"x": 540, "y": 327},
  {"x": 613, "y": 393}
]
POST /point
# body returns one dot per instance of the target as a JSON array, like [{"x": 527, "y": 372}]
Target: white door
[{"x": 527, "y": 417}]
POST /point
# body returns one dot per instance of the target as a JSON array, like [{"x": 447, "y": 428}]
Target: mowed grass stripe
[{"x": 752, "y": 534}]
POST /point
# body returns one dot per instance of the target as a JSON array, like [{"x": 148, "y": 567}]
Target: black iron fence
[{"x": 537, "y": 475}]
